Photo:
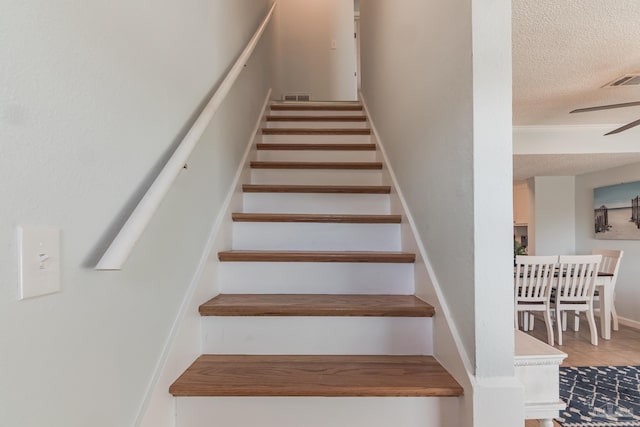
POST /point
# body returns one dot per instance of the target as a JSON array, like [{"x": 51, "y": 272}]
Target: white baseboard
[
  {"x": 629, "y": 322},
  {"x": 183, "y": 343},
  {"x": 635, "y": 324}
]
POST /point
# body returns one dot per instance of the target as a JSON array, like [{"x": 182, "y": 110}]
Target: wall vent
[
  {"x": 626, "y": 80},
  {"x": 296, "y": 97}
]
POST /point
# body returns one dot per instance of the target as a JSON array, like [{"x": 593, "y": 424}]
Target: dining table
[{"x": 603, "y": 285}]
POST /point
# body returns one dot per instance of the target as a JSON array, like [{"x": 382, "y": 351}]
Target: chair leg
[
  {"x": 564, "y": 320},
  {"x": 614, "y": 316},
  {"x": 592, "y": 326},
  {"x": 559, "y": 323},
  {"x": 515, "y": 318},
  {"x": 525, "y": 321},
  {"x": 531, "y": 321},
  {"x": 549, "y": 324},
  {"x": 576, "y": 321}
]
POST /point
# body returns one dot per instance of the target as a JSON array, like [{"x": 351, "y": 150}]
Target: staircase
[{"x": 316, "y": 324}]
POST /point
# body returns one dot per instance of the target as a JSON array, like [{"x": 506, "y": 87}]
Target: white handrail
[{"x": 123, "y": 244}]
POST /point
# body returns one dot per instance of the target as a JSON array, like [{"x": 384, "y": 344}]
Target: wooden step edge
[
  {"x": 317, "y": 189},
  {"x": 316, "y": 147},
  {"x": 316, "y": 305},
  {"x": 317, "y": 165},
  {"x": 315, "y": 131},
  {"x": 317, "y": 218},
  {"x": 331, "y": 107},
  {"x": 316, "y": 376},
  {"x": 316, "y": 118},
  {"x": 317, "y": 256}
]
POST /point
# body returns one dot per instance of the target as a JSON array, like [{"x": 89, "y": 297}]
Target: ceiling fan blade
[
  {"x": 623, "y": 128},
  {"x": 606, "y": 107}
]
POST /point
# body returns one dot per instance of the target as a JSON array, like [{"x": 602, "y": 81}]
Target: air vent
[
  {"x": 296, "y": 97},
  {"x": 626, "y": 80}
]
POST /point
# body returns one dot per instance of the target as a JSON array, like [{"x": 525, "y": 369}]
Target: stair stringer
[
  {"x": 184, "y": 342},
  {"x": 448, "y": 348}
]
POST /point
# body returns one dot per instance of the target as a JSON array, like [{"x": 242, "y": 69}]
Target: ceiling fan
[{"x": 610, "y": 107}]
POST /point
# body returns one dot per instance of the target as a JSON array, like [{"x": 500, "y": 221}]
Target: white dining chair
[
  {"x": 532, "y": 288},
  {"x": 610, "y": 264},
  {"x": 576, "y": 281}
]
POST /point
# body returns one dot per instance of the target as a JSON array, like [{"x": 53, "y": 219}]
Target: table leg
[{"x": 606, "y": 297}]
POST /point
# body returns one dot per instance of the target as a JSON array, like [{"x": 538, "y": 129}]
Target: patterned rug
[{"x": 600, "y": 396}]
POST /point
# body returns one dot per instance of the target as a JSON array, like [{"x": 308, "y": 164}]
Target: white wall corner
[
  {"x": 448, "y": 348},
  {"x": 184, "y": 341}
]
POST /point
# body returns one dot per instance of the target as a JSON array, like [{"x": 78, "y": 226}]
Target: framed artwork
[{"x": 617, "y": 211}]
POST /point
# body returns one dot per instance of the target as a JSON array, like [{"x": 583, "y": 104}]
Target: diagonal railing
[{"x": 122, "y": 245}]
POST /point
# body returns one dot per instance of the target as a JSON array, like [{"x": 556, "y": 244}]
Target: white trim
[
  {"x": 629, "y": 322},
  {"x": 122, "y": 245},
  {"x": 572, "y": 139},
  {"x": 196, "y": 280},
  {"x": 445, "y": 312},
  {"x": 538, "y": 411}
]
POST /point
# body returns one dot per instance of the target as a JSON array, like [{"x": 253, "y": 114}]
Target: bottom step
[{"x": 327, "y": 376}]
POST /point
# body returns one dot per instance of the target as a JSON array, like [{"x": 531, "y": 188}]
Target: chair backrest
[
  {"x": 577, "y": 277},
  {"x": 610, "y": 261},
  {"x": 533, "y": 277}
]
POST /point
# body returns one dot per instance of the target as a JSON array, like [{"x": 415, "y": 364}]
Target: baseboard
[
  {"x": 448, "y": 348},
  {"x": 622, "y": 320},
  {"x": 629, "y": 322},
  {"x": 183, "y": 343}
]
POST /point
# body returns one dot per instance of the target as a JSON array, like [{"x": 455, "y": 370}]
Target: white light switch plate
[{"x": 39, "y": 250}]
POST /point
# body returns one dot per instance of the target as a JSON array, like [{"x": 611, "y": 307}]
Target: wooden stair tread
[
  {"x": 316, "y": 147},
  {"x": 316, "y": 305},
  {"x": 316, "y": 165},
  {"x": 325, "y": 218},
  {"x": 328, "y": 376},
  {"x": 316, "y": 118},
  {"x": 324, "y": 189},
  {"x": 316, "y": 107},
  {"x": 315, "y": 131},
  {"x": 317, "y": 256}
]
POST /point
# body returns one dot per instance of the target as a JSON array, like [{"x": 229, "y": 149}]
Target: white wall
[
  {"x": 554, "y": 232},
  {"x": 93, "y": 96},
  {"x": 437, "y": 80},
  {"x": 628, "y": 285},
  {"x": 305, "y": 61}
]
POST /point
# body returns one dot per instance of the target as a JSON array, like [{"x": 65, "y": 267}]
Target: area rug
[{"x": 600, "y": 396}]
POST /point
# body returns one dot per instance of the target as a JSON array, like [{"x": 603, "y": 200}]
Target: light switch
[
  {"x": 334, "y": 44},
  {"x": 39, "y": 251}
]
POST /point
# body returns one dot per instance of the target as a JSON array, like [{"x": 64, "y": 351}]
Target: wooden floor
[{"x": 622, "y": 349}]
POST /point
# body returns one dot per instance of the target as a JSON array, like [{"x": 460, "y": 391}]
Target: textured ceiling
[{"x": 564, "y": 51}]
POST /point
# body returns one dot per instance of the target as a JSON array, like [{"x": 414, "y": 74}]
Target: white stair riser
[
  {"x": 318, "y": 125},
  {"x": 316, "y": 176},
  {"x": 315, "y": 278},
  {"x": 316, "y": 156},
  {"x": 318, "y": 412},
  {"x": 316, "y": 139},
  {"x": 317, "y": 335},
  {"x": 316, "y": 113},
  {"x": 316, "y": 236},
  {"x": 316, "y": 203}
]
